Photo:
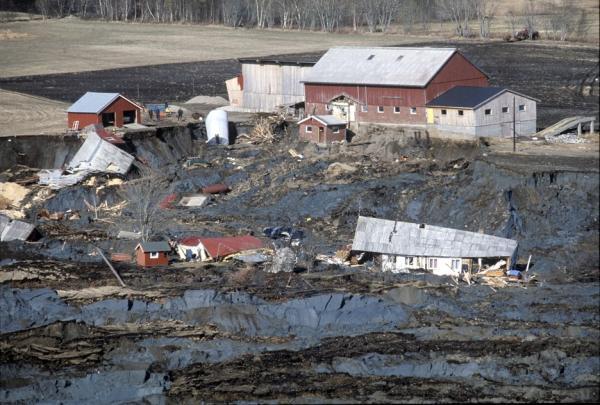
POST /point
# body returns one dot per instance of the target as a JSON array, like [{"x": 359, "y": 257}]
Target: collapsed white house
[
  {"x": 96, "y": 155},
  {"x": 406, "y": 246}
]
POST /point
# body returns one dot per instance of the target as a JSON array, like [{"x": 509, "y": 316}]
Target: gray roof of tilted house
[
  {"x": 409, "y": 239},
  {"x": 14, "y": 229},
  {"x": 469, "y": 97},
  {"x": 387, "y": 66}
]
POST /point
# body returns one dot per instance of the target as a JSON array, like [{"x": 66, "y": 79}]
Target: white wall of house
[
  {"x": 441, "y": 266},
  {"x": 497, "y": 122}
]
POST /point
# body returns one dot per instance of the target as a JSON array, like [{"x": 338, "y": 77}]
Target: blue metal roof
[
  {"x": 92, "y": 102},
  {"x": 466, "y": 96}
]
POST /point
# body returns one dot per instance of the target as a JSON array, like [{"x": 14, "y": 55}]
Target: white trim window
[
  {"x": 154, "y": 255},
  {"x": 413, "y": 110},
  {"x": 505, "y": 109},
  {"x": 335, "y": 130},
  {"x": 380, "y": 109},
  {"x": 396, "y": 110},
  {"x": 522, "y": 107},
  {"x": 364, "y": 108},
  {"x": 308, "y": 129},
  {"x": 455, "y": 264},
  {"x": 488, "y": 111},
  {"x": 433, "y": 263}
]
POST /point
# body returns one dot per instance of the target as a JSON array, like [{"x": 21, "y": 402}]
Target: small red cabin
[
  {"x": 150, "y": 254},
  {"x": 322, "y": 129},
  {"x": 107, "y": 109}
]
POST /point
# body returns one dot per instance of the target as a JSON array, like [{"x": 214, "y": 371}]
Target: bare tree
[
  {"x": 460, "y": 12},
  {"x": 143, "y": 196},
  {"x": 513, "y": 20},
  {"x": 530, "y": 17},
  {"x": 484, "y": 11}
]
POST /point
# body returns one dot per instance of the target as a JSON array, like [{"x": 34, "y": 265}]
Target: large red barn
[
  {"x": 107, "y": 109},
  {"x": 385, "y": 85}
]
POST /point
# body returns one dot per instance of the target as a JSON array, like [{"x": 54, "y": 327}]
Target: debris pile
[
  {"x": 266, "y": 129},
  {"x": 565, "y": 138}
]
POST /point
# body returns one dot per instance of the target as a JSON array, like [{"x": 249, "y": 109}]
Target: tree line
[{"x": 324, "y": 15}]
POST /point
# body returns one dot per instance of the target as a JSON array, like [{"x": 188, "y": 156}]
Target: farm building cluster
[{"x": 434, "y": 89}]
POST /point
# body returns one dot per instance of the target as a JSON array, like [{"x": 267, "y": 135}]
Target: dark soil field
[{"x": 560, "y": 76}]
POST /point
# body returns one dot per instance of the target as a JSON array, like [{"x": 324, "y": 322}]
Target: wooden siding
[
  {"x": 267, "y": 86},
  {"x": 327, "y": 134},
  {"x": 118, "y": 107},
  {"x": 457, "y": 72},
  {"x": 143, "y": 259}
]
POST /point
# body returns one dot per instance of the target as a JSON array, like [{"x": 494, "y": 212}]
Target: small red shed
[
  {"x": 150, "y": 254},
  {"x": 107, "y": 109},
  {"x": 322, "y": 129}
]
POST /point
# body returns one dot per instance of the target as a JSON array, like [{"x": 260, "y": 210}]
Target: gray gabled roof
[
  {"x": 393, "y": 66},
  {"x": 469, "y": 97},
  {"x": 410, "y": 239},
  {"x": 328, "y": 120},
  {"x": 95, "y": 103},
  {"x": 161, "y": 246}
]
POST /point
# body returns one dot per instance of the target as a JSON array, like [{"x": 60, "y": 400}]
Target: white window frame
[
  {"x": 485, "y": 111},
  {"x": 364, "y": 108},
  {"x": 507, "y": 110},
  {"x": 380, "y": 109},
  {"x": 522, "y": 108},
  {"x": 433, "y": 263},
  {"x": 308, "y": 129},
  {"x": 444, "y": 112},
  {"x": 455, "y": 264},
  {"x": 396, "y": 109},
  {"x": 335, "y": 130},
  {"x": 413, "y": 110},
  {"x": 154, "y": 255}
]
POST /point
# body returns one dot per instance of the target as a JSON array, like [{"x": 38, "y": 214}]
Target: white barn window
[
  {"x": 505, "y": 109},
  {"x": 308, "y": 129},
  {"x": 488, "y": 111},
  {"x": 396, "y": 110},
  {"x": 413, "y": 110},
  {"x": 380, "y": 109},
  {"x": 153, "y": 255},
  {"x": 364, "y": 108},
  {"x": 522, "y": 107}
]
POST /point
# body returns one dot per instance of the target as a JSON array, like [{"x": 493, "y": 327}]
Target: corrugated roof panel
[
  {"x": 92, "y": 102},
  {"x": 393, "y": 66},
  {"x": 372, "y": 235}
]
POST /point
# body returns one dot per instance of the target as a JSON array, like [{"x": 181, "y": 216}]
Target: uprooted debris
[{"x": 266, "y": 129}]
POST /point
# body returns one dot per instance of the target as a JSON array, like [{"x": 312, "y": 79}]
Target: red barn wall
[
  {"x": 120, "y": 105},
  {"x": 458, "y": 71},
  {"x": 84, "y": 119}
]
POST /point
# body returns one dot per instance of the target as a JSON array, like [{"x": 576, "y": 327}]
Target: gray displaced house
[
  {"x": 483, "y": 111},
  {"x": 267, "y": 84},
  {"x": 405, "y": 246},
  {"x": 12, "y": 229}
]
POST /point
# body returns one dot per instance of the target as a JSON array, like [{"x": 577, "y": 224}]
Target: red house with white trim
[
  {"x": 385, "y": 85},
  {"x": 107, "y": 109},
  {"x": 322, "y": 129}
]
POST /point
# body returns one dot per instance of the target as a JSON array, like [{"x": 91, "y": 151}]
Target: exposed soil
[{"x": 325, "y": 333}]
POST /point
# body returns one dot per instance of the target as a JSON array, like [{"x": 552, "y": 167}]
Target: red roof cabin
[
  {"x": 322, "y": 129},
  {"x": 149, "y": 254},
  {"x": 107, "y": 109},
  {"x": 206, "y": 249},
  {"x": 390, "y": 85}
]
